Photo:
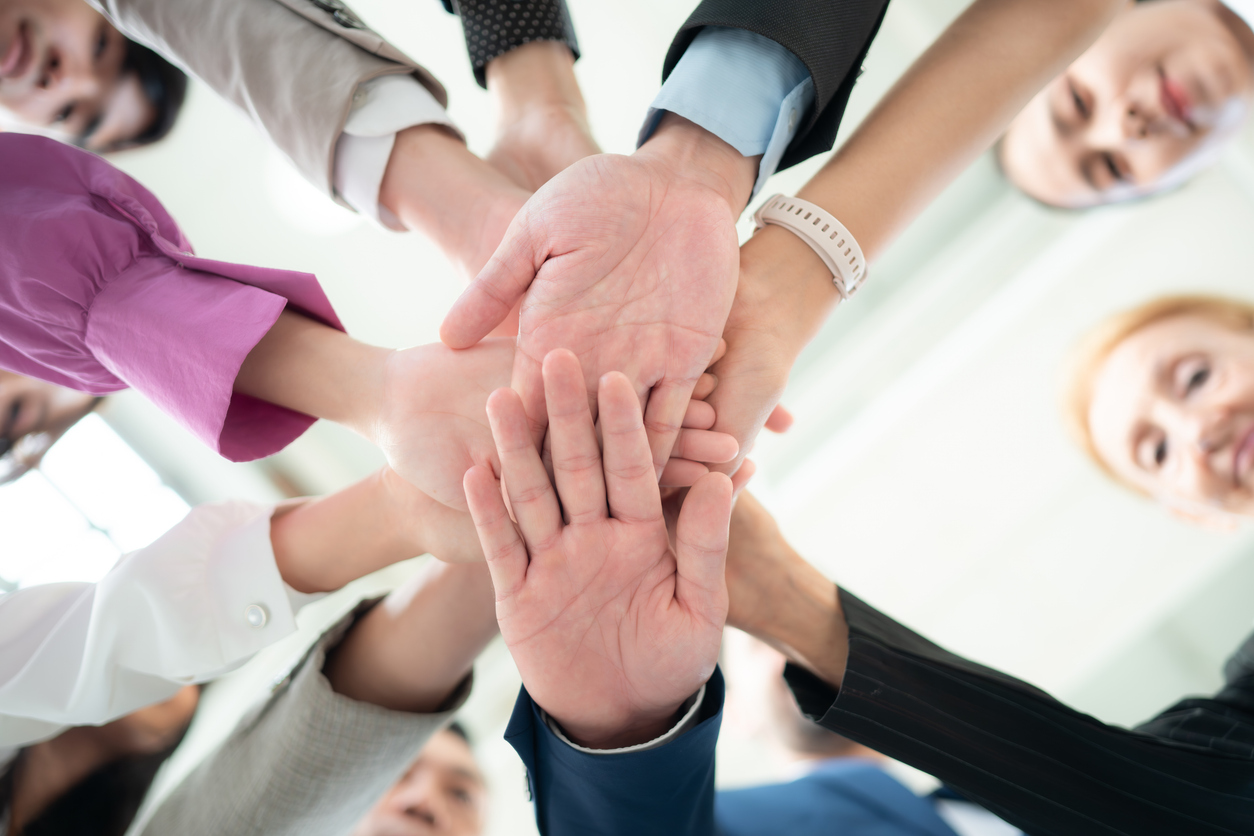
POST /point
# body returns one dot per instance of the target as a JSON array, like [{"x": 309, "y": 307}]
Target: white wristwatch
[{"x": 826, "y": 236}]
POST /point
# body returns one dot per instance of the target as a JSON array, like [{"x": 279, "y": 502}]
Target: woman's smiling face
[
  {"x": 61, "y": 66},
  {"x": 1172, "y": 413},
  {"x": 1167, "y": 81}
]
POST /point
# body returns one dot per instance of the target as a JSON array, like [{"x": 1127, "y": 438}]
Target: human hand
[
  {"x": 630, "y": 262},
  {"x": 542, "y": 122},
  {"x": 433, "y": 426},
  {"x": 611, "y": 628},
  {"x": 784, "y": 295}
]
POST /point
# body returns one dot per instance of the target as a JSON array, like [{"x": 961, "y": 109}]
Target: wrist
[
  {"x": 693, "y": 153},
  {"x": 633, "y": 732},
  {"x": 535, "y": 76},
  {"x": 434, "y": 185},
  {"x": 785, "y": 290},
  {"x": 808, "y": 624}
]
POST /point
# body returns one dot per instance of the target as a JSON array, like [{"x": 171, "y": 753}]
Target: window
[{"x": 92, "y": 500}]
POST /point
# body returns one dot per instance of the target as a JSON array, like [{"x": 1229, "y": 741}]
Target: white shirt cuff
[
  {"x": 382, "y": 107},
  {"x": 686, "y": 722}
]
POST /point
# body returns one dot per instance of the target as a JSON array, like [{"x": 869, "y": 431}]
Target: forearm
[
  {"x": 311, "y": 368},
  {"x": 536, "y": 75},
  {"x": 950, "y": 106},
  {"x": 411, "y": 651},
  {"x": 321, "y": 544},
  {"x": 436, "y": 186}
]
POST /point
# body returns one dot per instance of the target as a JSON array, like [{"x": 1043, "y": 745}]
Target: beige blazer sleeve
[
  {"x": 304, "y": 762},
  {"x": 291, "y": 65}
]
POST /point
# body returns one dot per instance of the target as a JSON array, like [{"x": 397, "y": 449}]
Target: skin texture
[
  {"x": 402, "y": 400},
  {"x": 1141, "y": 110},
  {"x": 611, "y": 628},
  {"x": 1172, "y": 414},
  {"x": 442, "y": 794},
  {"x": 61, "y": 67},
  {"x": 965, "y": 89},
  {"x": 630, "y": 262}
]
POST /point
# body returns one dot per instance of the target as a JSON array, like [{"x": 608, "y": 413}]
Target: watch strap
[{"x": 828, "y": 237}]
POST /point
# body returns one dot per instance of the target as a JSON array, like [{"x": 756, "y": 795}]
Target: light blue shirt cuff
[{"x": 745, "y": 89}]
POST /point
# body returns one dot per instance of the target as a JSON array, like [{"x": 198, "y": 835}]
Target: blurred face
[
  {"x": 442, "y": 793},
  {"x": 33, "y": 406},
  {"x": 61, "y": 67},
  {"x": 1173, "y": 414},
  {"x": 1148, "y": 103}
]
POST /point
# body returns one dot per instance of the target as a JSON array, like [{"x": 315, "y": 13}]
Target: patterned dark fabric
[
  {"x": 831, "y": 37},
  {"x": 1038, "y": 764},
  {"x": 494, "y": 27}
]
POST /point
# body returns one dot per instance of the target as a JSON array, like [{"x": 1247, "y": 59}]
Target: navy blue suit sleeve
[{"x": 668, "y": 790}]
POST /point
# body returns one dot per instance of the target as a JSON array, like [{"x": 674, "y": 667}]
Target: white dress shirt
[{"x": 198, "y": 602}]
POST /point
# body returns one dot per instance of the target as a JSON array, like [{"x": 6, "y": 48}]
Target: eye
[
  {"x": 462, "y": 796},
  {"x": 63, "y": 115},
  {"x": 1191, "y": 374},
  {"x": 102, "y": 43},
  {"x": 1113, "y": 167},
  {"x": 1160, "y": 452},
  {"x": 1081, "y": 107}
]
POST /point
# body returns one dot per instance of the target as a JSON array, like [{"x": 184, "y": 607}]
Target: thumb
[
  {"x": 498, "y": 287},
  {"x": 701, "y": 546}
]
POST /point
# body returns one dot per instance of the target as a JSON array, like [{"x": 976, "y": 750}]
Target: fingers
[
  {"x": 718, "y": 352},
  {"x": 497, "y": 288},
  {"x": 706, "y": 384},
  {"x": 664, "y": 415},
  {"x": 502, "y": 547},
  {"x": 701, "y": 544},
  {"x": 741, "y": 477},
  {"x": 630, "y": 478},
  {"x": 705, "y": 446},
  {"x": 531, "y": 494},
  {"x": 700, "y": 416},
  {"x": 681, "y": 473},
  {"x": 778, "y": 421},
  {"x": 573, "y": 439}
]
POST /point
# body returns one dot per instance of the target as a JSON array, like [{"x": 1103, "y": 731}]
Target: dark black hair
[
  {"x": 102, "y": 804},
  {"x": 165, "y": 87},
  {"x": 459, "y": 730}
]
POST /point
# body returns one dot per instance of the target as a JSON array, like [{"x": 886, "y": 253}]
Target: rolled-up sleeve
[
  {"x": 196, "y": 603},
  {"x": 100, "y": 290}
]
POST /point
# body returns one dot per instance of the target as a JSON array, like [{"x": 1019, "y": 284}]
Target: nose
[{"x": 60, "y": 75}]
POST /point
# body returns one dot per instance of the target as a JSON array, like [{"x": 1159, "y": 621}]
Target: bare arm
[
  {"x": 412, "y": 651},
  {"x": 946, "y": 110}
]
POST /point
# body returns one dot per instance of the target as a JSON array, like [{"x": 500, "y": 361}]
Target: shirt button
[
  {"x": 256, "y": 615},
  {"x": 792, "y": 120},
  {"x": 359, "y": 97}
]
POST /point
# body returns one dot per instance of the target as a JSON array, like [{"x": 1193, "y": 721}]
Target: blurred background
[{"x": 928, "y": 470}]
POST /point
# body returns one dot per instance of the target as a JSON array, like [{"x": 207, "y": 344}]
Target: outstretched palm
[
  {"x": 611, "y": 629},
  {"x": 625, "y": 264}
]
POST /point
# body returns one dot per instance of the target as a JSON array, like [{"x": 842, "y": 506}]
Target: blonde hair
[{"x": 1091, "y": 352}]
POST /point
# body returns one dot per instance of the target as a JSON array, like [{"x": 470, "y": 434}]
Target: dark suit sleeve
[
  {"x": 665, "y": 791},
  {"x": 831, "y": 37},
  {"x": 494, "y": 27},
  {"x": 1038, "y": 764}
]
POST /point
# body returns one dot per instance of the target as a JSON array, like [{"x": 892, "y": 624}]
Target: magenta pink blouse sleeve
[{"x": 99, "y": 290}]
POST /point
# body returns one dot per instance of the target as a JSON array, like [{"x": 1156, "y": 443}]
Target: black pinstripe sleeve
[{"x": 1037, "y": 763}]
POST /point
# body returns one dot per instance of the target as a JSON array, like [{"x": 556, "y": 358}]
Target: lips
[
  {"x": 1176, "y": 100},
  {"x": 1243, "y": 457},
  {"x": 17, "y": 58}
]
